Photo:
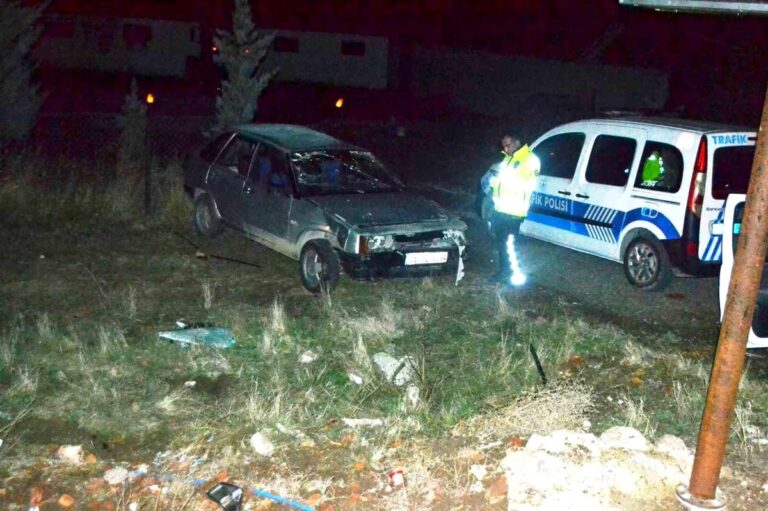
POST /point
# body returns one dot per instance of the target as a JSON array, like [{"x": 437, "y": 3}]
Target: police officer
[
  {"x": 511, "y": 190},
  {"x": 509, "y": 145}
]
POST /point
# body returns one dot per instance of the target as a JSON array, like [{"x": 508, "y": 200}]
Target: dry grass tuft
[{"x": 552, "y": 408}]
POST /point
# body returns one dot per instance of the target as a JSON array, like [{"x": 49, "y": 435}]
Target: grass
[{"x": 80, "y": 361}]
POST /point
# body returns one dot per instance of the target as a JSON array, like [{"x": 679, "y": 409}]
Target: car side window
[
  {"x": 270, "y": 170},
  {"x": 212, "y": 150},
  {"x": 611, "y": 160},
  {"x": 661, "y": 168},
  {"x": 237, "y": 157},
  {"x": 559, "y": 154}
]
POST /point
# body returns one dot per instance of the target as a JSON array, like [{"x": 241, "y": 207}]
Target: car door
[
  {"x": 266, "y": 198},
  {"x": 601, "y": 191},
  {"x": 227, "y": 176},
  {"x": 730, "y": 230},
  {"x": 549, "y": 217}
]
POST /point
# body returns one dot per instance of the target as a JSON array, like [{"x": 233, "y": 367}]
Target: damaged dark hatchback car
[{"x": 326, "y": 203}]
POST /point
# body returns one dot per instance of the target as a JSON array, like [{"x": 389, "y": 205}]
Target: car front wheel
[
  {"x": 207, "y": 223},
  {"x": 319, "y": 266},
  {"x": 646, "y": 265}
]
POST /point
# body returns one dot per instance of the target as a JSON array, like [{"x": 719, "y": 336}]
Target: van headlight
[{"x": 380, "y": 242}]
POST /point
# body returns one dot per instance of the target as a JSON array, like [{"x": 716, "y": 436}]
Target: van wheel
[
  {"x": 646, "y": 265},
  {"x": 206, "y": 221},
  {"x": 319, "y": 266}
]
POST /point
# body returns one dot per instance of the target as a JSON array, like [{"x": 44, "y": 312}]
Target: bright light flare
[
  {"x": 150, "y": 99},
  {"x": 339, "y": 102}
]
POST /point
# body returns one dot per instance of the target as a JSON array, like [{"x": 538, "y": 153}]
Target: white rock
[
  {"x": 362, "y": 423},
  {"x": 355, "y": 378},
  {"x": 133, "y": 506},
  {"x": 261, "y": 443},
  {"x": 72, "y": 454},
  {"x": 622, "y": 437},
  {"x": 675, "y": 448},
  {"x": 398, "y": 371},
  {"x": 478, "y": 471},
  {"x": 190, "y": 383},
  {"x": 116, "y": 475},
  {"x": 765, "y": 488},
  {"x": 562, "y": 441},
  {"x": 412, "y": 395},
  {"x": 308, "y": 357}
]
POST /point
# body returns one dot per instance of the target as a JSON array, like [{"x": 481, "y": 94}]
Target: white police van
[{"x": 642, "y": 191}]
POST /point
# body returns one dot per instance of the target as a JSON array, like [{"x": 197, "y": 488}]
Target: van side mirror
[{"x": 228, "y": 496}]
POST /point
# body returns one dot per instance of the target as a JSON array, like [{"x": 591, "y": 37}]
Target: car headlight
[
  {"x": 455, "y": 235},
  {"x": 381, "y": 242}
]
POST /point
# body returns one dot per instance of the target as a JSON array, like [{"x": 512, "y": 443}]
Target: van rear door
[{"x": 729, "y": 163}]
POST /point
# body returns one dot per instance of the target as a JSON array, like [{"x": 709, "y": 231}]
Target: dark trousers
[{"x": 503, "y": 226}]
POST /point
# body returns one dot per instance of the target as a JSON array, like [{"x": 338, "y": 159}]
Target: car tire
[
  {"x": 205, "y": 219},
  {"x": 646, "y": 264},
  {"x": 319, "y": 267}
]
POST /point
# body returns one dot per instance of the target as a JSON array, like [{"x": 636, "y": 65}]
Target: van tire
[
  {"x": 205, "y": 218},
  {"x": 646, "y": 264},
  {"x": 319, "y": 267}
]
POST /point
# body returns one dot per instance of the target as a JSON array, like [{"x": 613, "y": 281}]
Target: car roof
[
  {"x": 290, "y": 137},
  {"x": 695, "y": 126}
]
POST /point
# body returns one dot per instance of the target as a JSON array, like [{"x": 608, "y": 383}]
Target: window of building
[
  {"x": 611, "y": 160},
  {"x": 353, "y": 48},
  {"x": 559, "y": 154}
]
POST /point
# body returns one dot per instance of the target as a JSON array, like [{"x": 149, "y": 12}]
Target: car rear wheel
[
  {"x": 646, "y": 264},
  {"x": 207, "y": 223},
  {"x": 319, "y": 266}
]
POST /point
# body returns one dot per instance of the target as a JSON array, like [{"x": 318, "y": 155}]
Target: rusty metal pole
[{"x": 731, "y": 348}]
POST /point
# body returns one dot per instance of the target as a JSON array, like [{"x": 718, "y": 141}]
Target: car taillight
[
  {"x": 362, "y": 247},
  {"x": 696, "y": 193}
]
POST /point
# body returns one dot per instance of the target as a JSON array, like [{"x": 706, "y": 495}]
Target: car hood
[{"x": 382, "y": 209}]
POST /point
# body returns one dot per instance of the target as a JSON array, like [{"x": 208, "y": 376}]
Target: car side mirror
[{"x": 228, "y": 496}]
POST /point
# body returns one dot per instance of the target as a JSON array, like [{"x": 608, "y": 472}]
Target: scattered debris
[
  {"x": 479, "y": 472},
  {"x": 397, "y": 479},
  {"x": 362, "y": 423},
  {"x": 308, "y": 357},
  {"x": 261, "y": 443},
  {"x": 72, "y": 454},
  {"x": 212, "y": 337},
  {"x": 190, "y": 383},
  {"x": 397, "y": 371},
  {"x": 413, "y": 395},
  {"x": 115, "y": 476},
  {"x": 355, "y": 378}
]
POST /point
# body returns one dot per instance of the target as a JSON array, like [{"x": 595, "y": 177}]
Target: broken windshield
[{"x": 331, "y": 172}]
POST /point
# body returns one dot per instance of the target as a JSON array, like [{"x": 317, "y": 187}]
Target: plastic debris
[
  {"x": 115, "y": 476},
  {"x": 362, "y": 423},
  {"x": 212, "y": 337},
  {"x": 72, "y": 454},
  {"x": 356, "y": 379},
  {"x": 308, "y": 357},
  {"x": 397, "y": 478},
  {"x": 261, "y": 443}
]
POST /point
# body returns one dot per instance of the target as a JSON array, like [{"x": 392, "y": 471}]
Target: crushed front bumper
[{"x": 392, "y": 265}]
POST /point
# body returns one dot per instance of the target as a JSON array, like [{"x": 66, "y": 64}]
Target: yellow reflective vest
[{"x": 513, "y": 185}]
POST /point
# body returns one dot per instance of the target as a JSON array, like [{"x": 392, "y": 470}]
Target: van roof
[{"x": 694, "y": 126}]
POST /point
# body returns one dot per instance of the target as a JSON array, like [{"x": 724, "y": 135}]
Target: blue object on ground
[{"x": 212, "y": 337}]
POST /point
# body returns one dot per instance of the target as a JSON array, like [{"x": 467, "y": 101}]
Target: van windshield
[{"x": 732, "y": 166}]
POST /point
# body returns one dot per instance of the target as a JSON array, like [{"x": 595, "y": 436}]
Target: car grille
[{"x": 420, "y": 240}]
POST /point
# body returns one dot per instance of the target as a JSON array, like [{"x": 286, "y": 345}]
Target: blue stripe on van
[{"x": 713, "y": 252}]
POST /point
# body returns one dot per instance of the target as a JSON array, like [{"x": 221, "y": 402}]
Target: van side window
[
  {"x": 559, "y": 154},
  {"x": 611, "y": 160},
  {"x": 661, "y": 168}
]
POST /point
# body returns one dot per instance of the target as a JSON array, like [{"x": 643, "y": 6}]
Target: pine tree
[
  {"x": 133, "y": 135},
  {"x": 241, "y": 52},
  {"x": 20, "y": 98}
]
